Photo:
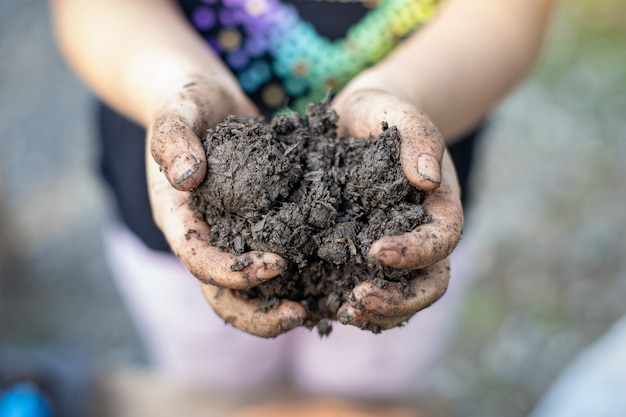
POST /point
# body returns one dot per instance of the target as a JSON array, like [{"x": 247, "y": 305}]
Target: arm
[
  {"x": 138, "y": 56},
  {"x": 458, "y": 67},
  {"x": 134, "y": 54},
  {"x": 143, "y": 59},
  {"x": 439, "y": 83}
]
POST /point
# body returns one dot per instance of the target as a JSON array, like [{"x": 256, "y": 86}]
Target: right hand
[
  {"x": 177, "y": 165},
  {"x": 427, "y": 165}
]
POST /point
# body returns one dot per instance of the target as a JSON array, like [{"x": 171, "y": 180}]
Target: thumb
[
  {"x": 421, "y": 150},
  {"x": 422, "y": 145},
  {"x": 176, "y": 147}
]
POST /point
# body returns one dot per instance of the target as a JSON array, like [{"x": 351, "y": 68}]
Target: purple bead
[
  {"x": 273, "y": 5},
  {"x": 286, "y": 14},
  {"x": 228, "y": 18},
  {"x": 236, "y": 59},
  {"x": 256, "y": 46},
  {"x": 240, "y": 15},
  {"x": 254, "y": 27},
  {"x": 203, "y": 18},
  {"x": 233, "y": 3},
  {"x": 268, "y": 17}
]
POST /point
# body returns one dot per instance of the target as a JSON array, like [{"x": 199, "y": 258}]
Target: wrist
[
  {"x": 386, "y": 79},
  {"x": 203, "y": 100}
]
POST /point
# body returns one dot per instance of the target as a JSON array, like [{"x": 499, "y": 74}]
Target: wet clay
[{"x": 293, "y": 188}]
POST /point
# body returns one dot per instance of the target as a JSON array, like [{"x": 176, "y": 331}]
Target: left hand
[
  {"x": 428, "y": 166},
  {"x": 176, "y": 165}
]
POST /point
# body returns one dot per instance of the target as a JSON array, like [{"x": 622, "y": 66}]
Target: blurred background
[{"x": 548, "y": 223}]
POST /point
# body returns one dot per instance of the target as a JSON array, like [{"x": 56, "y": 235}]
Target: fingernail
[
  {"x": 428, "y": 167},
  {"x": 183, "y": 167},
  {"x": 388, "y": 257}
]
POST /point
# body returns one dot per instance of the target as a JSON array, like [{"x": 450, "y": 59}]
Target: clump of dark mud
[{"x": 293, "y": 188}]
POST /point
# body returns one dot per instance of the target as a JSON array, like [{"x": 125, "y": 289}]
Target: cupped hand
[
  {"x": 177, "y": 164},
  {"x": 373, "y": 308},
  {"x": 428, "y": 166},
  {"x": 185, "y": 115}
]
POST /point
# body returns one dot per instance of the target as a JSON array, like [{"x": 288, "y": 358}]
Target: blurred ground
[
  {"x": 61, "y": 293},
  {"x": 547, "y": 226}
]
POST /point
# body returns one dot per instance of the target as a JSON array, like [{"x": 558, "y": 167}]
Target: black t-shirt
[{"x": 283, "y": 54}]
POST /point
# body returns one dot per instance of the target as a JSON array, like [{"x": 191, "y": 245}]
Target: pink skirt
[{"x": 186, "y": 339}]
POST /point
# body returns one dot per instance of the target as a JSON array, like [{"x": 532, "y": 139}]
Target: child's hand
[
  {"x": 185, "y": 116},
  {"x": 375, "y": 309},
  {"x": 427, "y": 166},
  {"x": 178, "y": 153}
]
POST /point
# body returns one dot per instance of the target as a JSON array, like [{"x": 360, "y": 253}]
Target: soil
[{"x": 293, "y": 188}]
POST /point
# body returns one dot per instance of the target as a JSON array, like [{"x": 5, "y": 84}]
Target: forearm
[
  {"x": 133, "y": 53},
  {"x": 459, "y": 66}
]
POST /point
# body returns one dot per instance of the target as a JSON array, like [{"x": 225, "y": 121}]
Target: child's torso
[{"x": 292, "y": 52}]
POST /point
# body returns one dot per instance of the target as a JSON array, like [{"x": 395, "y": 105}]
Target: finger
[
  {"x": 375, "y": 309},
  {"x": 175, "y": 142},
  {"x": 432, "y": 241},
  {"x": 349, "y": 315},
  {"x": 189, "y": 236},
  {"x": 247, "y": 315},
  {"x": 424, "y": 289},
  {"x": 422, "y": 145},
  {"x": 421, "y": 151},
  {"x": 176, "y": 147}
]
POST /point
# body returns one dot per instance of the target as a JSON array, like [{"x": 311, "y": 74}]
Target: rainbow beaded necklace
[{"x": 276, "y": 55}]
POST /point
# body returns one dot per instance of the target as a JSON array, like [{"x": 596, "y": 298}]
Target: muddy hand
[
  {"x": 426, "y": 165},
  {"x": 176, "y": 151},
  {"x": 361, "y": 112},
  {"x": 375, "y": 309},
  {"x": 182, "y": 119},
  {"x": 432, "y": 241},
  {"x": 188, "y": 237}
]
